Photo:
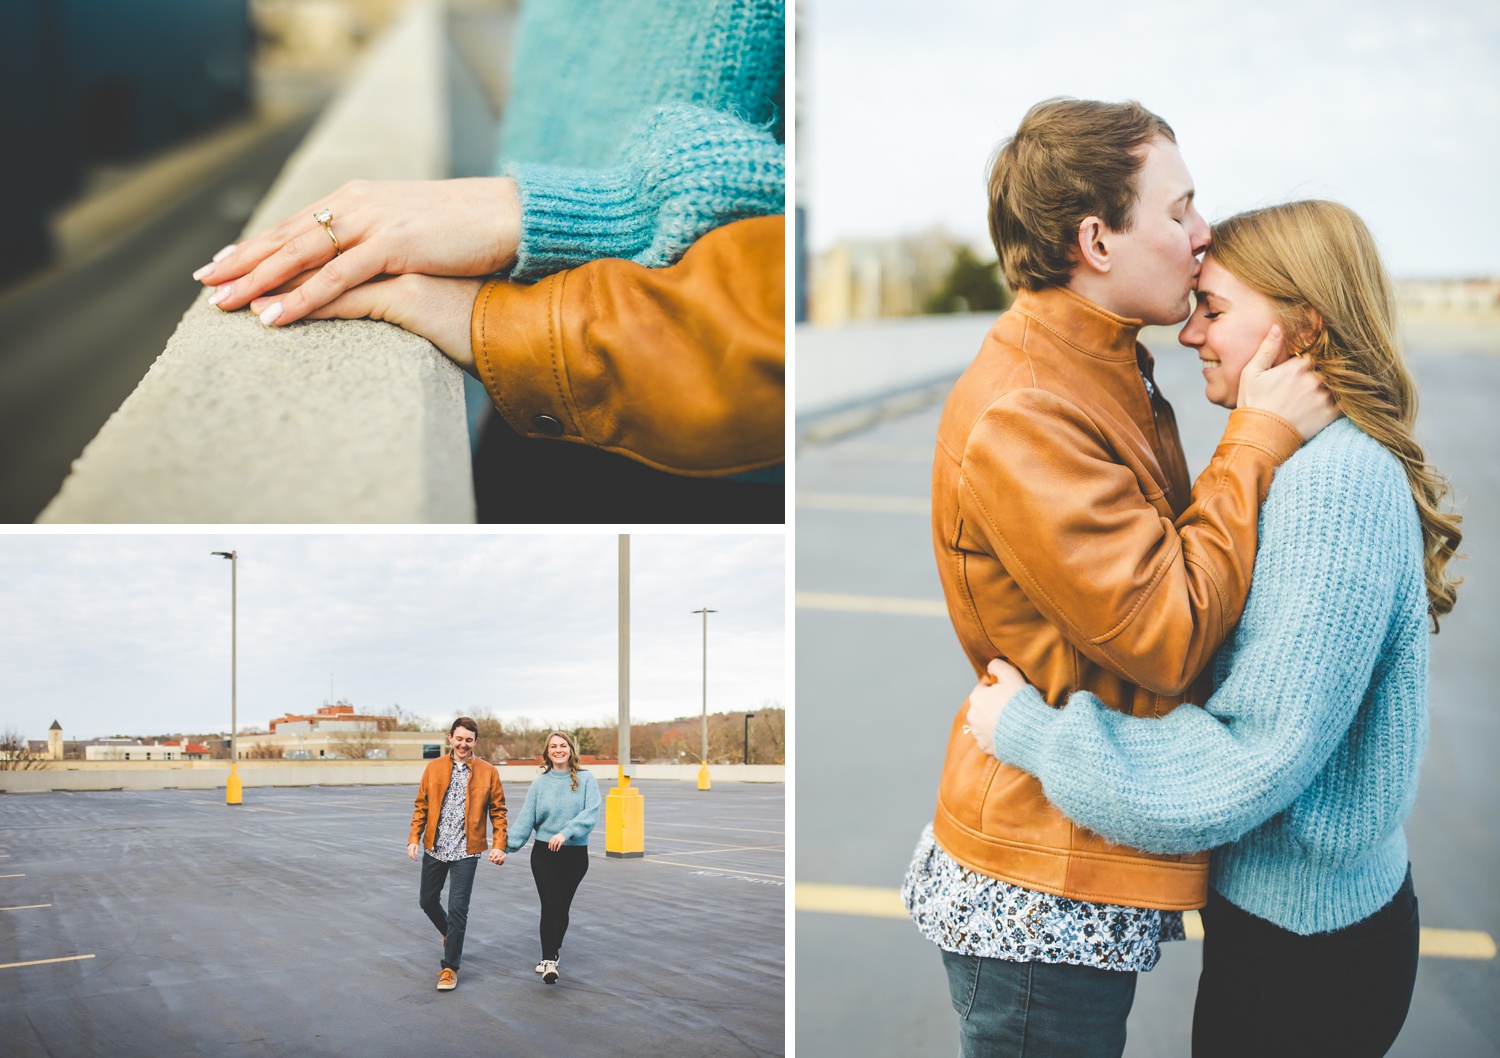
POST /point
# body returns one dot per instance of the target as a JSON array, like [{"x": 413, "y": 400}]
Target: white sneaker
[
  {"x": 549, "y": 971},
  {"x": 541, "y": 967}
]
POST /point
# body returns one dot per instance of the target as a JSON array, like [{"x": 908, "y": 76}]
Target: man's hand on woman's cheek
[{"x": 436, "y": 308}]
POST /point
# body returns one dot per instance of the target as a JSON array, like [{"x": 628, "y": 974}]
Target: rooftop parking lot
[{"x": 168, "y": 923}]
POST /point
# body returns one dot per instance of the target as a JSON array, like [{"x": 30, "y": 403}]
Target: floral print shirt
[
  {"x": 969, "y": 913},
  {"x": 452, "y": 841}
]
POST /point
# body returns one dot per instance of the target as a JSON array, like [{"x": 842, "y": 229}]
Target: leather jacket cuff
[
  {"x": 1264, "y": 430},
  {"x": 526, "y": 385}
]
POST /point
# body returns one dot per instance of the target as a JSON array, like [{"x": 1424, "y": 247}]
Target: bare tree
[
  {"x": 402, "y": 719},
  {"x": 361, "y": 742},
  {"x": 259, "y": 751},
  {"x": 16, "y": 754}
]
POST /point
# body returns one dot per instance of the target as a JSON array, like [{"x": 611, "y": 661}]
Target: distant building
[
  {"x": 1450, "y": 296},
  {"x": 339, "y": 717},
  {"x": 862, "y": 279},
  {"x": 132, "y": 749}
]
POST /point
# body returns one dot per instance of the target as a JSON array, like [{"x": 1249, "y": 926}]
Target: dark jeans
[
  {"x": 1265, "y": 990},
  {"x": 1038, "y": 1010},
  {"x": 525, "y": 479},
  {"x": 460, "y": 878},
  {"x": 557, "y": 876}
]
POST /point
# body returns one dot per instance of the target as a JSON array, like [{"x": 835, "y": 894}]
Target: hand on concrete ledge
[
  {"x": 467, "y": 227},
  {"x": 437, "y": 309}
]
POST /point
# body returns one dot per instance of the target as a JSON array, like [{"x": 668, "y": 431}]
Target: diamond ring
[{"x": 325, "y": 218}]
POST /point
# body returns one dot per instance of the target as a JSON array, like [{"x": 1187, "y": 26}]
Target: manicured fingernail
[
  {"x": 221, "y": 293},
  {"x": 224, "y": 252},
  {"x": 203, "y": 271},
  {"x": 271, "y": 315}
]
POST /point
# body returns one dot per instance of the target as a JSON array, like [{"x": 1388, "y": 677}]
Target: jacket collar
[{"x": 1080, "y": 323}]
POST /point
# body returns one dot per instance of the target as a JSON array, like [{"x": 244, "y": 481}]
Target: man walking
[
  {"x": 447, "y": 825},
  {"x": 1070, "y": 542}
]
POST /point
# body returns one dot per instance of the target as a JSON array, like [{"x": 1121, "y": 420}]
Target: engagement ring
[{"x": 325, "y": 218}]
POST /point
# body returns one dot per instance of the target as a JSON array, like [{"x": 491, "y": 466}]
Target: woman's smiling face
[{"x": 1228, "y": 323}]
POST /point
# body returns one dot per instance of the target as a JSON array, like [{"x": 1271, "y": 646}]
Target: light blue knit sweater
[
  {"x": 1304, "y": 762},
  {"x": 636, "y": 126},
  {"x": 552, "y": 807}
]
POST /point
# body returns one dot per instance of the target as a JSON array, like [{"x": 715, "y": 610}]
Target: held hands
[
  {"x": 1291, "y": 390},
  {"x": 996, "y": 687},
  {"x": 497, "y": 855},
  {"x": 467, "y": 227},
  {"x": 555, "y": 842}
]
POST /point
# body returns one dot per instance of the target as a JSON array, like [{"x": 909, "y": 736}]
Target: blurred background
[
  {"x": 1390, "y": 108},
  {"x": 139, "y": 138}
]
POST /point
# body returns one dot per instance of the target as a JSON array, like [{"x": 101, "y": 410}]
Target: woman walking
[
  {"x": 562, "y": 807},
  {"x": 1301, "y": 767}
]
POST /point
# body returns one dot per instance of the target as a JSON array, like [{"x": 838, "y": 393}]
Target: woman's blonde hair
[
  {"x": 572, "y": 755},
  {"x": 1319, "y": 256}
]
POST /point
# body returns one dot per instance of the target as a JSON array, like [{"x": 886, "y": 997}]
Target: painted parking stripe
[
  {"x": 707, "y": 867},
  {"x": 42, "y": 962},
  {"x": 813, "y": 600},
  {"x": 24, "y": 907},
  {"x": 12, "y": 876},
  {"x": 864, "y": 503},
  {"x": 873, "y": 902}
]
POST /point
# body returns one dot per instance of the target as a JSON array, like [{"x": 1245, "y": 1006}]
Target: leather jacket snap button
[{"x": 548, "y": 425}]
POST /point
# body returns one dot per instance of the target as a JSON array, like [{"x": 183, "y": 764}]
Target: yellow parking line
[
  {"x": 12, "y": 876},
  {"x": 873, "y": 902},
  {"x": 812, "y": 600},
  {"x": 864, "y": 503},
  {"x": 24, "y": 907},
  {"x": 42, "y": 962}
]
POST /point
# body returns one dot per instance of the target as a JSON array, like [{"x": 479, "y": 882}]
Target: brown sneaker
[{"x": 447, "y": 980}]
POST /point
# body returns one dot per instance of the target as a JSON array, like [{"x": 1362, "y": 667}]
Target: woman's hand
[
  {"x": 996, "y": 687},
  {"x": 1291, "y": 390},
  {"x": 555, "y": 842},
  {"x": 437, "y": 309},
  {"x": 468, "y": 227}
]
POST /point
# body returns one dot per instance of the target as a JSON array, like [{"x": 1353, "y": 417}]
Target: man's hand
[
  {"x": 1291, "y": 390},
  {"x": 411, "y": 850},
  {"x": 555, "y": 842},
  {"x": 497, "y": 855},
  {"x": 996, "y": 687},
  {"x": 437, "y": 309}
]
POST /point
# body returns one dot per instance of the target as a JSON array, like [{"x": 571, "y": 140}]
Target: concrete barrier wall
[
  {"x": 212, "y": 775},
  {"x": 327, "y": 421}
]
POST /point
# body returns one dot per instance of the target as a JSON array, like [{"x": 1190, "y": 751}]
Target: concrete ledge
[
  {"x": 211, "y": 775},
  {"x": 332, "y": 421}
]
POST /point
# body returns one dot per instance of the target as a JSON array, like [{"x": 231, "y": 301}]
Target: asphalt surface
[
  {"x": 289, "y": 926},
  {"x": 75, "y": 340},
  {"x": 887, "y": 684}
]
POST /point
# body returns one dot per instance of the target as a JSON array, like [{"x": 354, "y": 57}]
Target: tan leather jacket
[
  {"x": 485, "y": 796},
  {"x": 681, "y": 368},
  {"x": 1068, "y": 543}
]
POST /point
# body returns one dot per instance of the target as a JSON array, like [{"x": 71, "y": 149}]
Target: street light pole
[
  {"x": 748, "y": 718},
  {"x": 624, "y": 808},
  {"x": 704, "y": 782},
  {"x": 233, "y": 794}
]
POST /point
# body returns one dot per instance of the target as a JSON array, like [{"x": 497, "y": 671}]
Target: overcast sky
[
  {"x": 1389, "y": 106},
  {"x": 116, "y": 634}
]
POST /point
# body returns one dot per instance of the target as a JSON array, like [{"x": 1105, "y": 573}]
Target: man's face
[
  {"x": 1155, "y": 263},
  {"x": 462, "y": 740}
]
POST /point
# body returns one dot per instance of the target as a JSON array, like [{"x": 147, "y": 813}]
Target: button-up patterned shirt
[{"x": 452, "y": 841}]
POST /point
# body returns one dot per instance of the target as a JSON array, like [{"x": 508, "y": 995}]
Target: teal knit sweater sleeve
[
  {"x": 683, "y": 171},
  {"x": 518, "y": 833},
  {"x": 1332, "y": 583}
]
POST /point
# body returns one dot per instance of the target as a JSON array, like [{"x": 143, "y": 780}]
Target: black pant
[
  {"x": 557, "y": 876},
  {"x": 460, "y": 878},
  {"x": 525, "y": 479},
  {"x": 1267, "y": 991}
]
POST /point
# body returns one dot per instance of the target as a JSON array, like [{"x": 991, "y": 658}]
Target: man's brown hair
[
  {"x": 464, "y": 721},
  {"x": 1069, "y": 159}
]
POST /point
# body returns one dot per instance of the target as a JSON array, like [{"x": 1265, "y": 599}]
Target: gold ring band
[{"x": 325, "y": 218}]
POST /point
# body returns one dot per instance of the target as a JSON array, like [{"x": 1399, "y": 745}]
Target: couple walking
[
  {"x": 1143, "y": 697},
  {"x": 457, "y": 792}
]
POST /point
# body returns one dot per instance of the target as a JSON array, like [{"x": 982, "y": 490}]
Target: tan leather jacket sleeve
[
  {"x": 1138, "y": 594},
  {"x": 681, "y": 368}
]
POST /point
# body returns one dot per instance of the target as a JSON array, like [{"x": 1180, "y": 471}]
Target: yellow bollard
[
  {"x": 232, "y": 794},
  {"x": 704, "y": 782},
  {"x": 624, "y": 820}
]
